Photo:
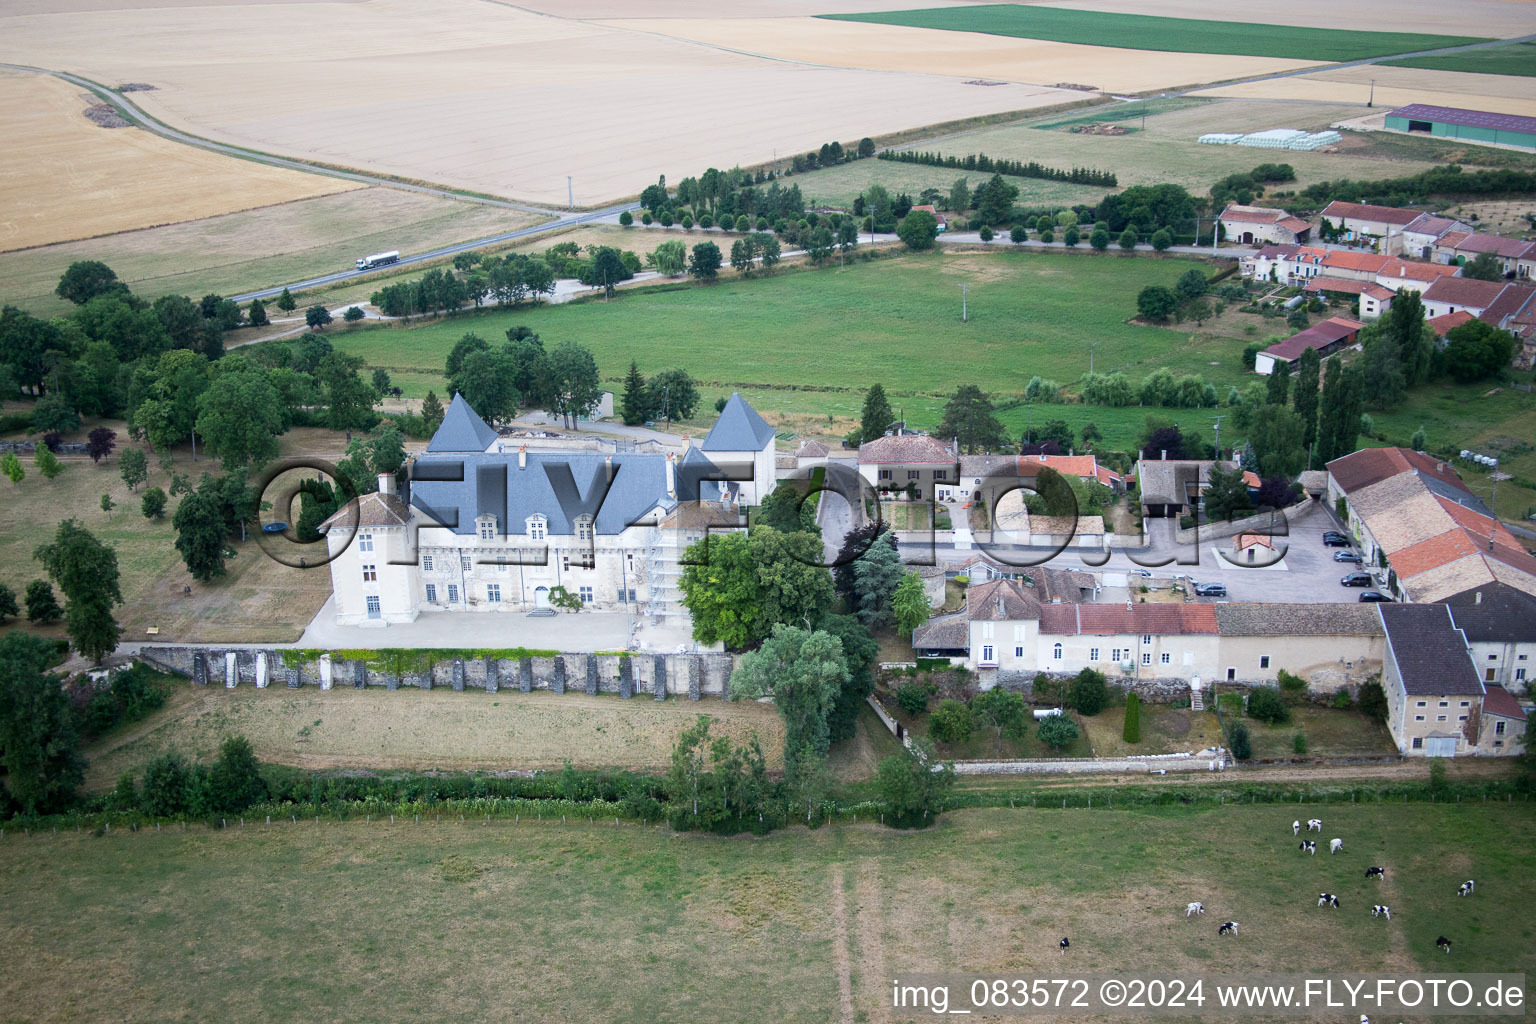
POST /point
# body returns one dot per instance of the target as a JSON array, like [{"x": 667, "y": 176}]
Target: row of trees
[{"x": 1002, "y": 165}]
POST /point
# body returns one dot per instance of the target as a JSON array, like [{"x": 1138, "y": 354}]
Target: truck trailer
[{"x": 378, "y": 259}]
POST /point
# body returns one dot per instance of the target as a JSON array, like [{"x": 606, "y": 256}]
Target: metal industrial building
[{"x": 1468, "y": 125}]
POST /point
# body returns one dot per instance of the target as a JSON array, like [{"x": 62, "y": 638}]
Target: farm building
[
  {"x": 1251, "y": 224},
  {"x": 1327, "y": 338},
  {"x": 1382, "y": 226},
  {"x": 943, "y": 224},
  {"x": 1465, "y": 125}
]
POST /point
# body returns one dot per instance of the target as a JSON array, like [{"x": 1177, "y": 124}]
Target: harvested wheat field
[
  {"x": 483, "y": 96},
  {"x": 66, "y": 177},
  {"x": 1397, "y": 87},
  {"x": 969, "y": 55},
  {"x": 438, "y": 729}
]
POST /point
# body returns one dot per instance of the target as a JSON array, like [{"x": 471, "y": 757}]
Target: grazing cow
[
  {"x": 1309, "y": 846},
  {"x": 1328, "y": 899},
  {"x": 1295, "y": 828},
  {"x": 1465, "y": 889},
  {"x": 1335, "y": 845},
  {"x": 1375, "y": 872},
  {"x": 1230, "y": 928},
  {"x": 1193, "y": 909},
  {"x": 1065, "y": 945},
  {"x": 1444, "y": 943},
  {"x": 1314, "y": 824},
  {"x": 1379, "y": 910}
]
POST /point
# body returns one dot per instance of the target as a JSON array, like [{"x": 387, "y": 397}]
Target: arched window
[{"x": 1056, "y": 652}]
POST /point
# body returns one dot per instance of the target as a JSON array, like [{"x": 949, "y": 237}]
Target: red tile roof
[
  {"x": 1366, "y": 261},
  {"x": 1342, "y": 285},
  {"x": 1475, "y": 241},
  {"x": 1416, "y": 271},
  {"x": 1499, "y": 701},
  {"x": 1081, "y": 466},
  {"x": 1372, "y": 465},
  {"x": 1254, "y": 214},
  {"x": 1447, "y": 322},
  {"x": 1464, "y": 291},
  {"x": 1330, "y": 332},
  {"x": 1118, "y": 619},
  {"x": 1379, "y": 293},
  {"x": 1362, "y": 211},
  {"x": 900, "y": 449}
]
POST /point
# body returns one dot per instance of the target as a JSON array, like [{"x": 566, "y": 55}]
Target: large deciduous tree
[
  {"x": 84, "y": 280},
  {"x": 38, "y": 738},
  {"x": 86, "y": 571},
  {"x": 802, "y": 670},
  {"x": 240, "y": 418}
]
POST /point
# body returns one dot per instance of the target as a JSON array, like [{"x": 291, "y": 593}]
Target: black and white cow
[
  {"x": 1296, "y": 828},
  {"x": 1380, "y": 910},
  {"x": 1314, "y": 824},
  {"x": 1230, "y": 928},
  {"x": 1466, "y": 888},
  {"x": 1328, "y": 899},
  {"x": 1065, "y": 945},
  {"x": 1192, "y": 909},
  {"x": 1308, "y": 846},
  {"x": 1375, "y": 872},
  {"x": 1444, "y": 943},
  {"x": 1335, "y": 845}
]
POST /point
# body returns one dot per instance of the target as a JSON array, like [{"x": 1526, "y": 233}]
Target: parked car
[
  {"x": 1141, "y": 572},
  {"x": 1346, "y": 556},
  {"x": 1211, "y": 589},
  {"x": 1370, "y": 596},
  {"x": 1358, "y": 579},
  {"x": 1335, "y": 539}
]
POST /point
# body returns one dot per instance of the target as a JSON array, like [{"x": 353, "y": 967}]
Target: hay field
[
  {"x": 1396, "y": 87},
  {"x": 483, "y": 96},
  {"x": 1494, "y": 18},
  {"x": 367, "y": 922},
  {"x": 428, "y": 730},
  {"x": 967, "y": 55},
  {"x": 66, "y": 177},
  {"x": 273, "y": 245}
]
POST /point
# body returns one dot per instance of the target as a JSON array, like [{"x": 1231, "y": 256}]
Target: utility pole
[
  {"x": 1091, "y": 344},
  {"x": 570, "y": 195},
  {"x": 964, "y": 316},
  {"x": 1218, "y": 437},
  {"x": 1372, "y": 101}
]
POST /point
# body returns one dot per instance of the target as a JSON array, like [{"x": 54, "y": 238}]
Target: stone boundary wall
[
  {"x": 28, "y": 447},
  {"x": 657, "y": 676}
]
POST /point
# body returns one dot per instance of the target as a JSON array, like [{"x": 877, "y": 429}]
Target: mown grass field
[
  {"x": 1146, "y": 32},
  {"x": 549, "y": 922},
  {"x": 812, "y": 342},
  {"x": 839, "y": 186},
  {"x": 1511, "y": 59}
]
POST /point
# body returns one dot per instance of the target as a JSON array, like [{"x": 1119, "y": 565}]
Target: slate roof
[
  {"x": 462, "y": 430},
  {"x": 1158, "y": 479},
  {"x": 906, "y": 449},
  {"x": 453, "y": 491},
  {"x": 945, "y": 633},
  {"x": 739, "y": 428},
  {"x": 1337, "y": 210},
  {"x": 1429, "y": 650},
  {"x": 1118, "y": 619},
  {"x": 1001, "y": 601},
  {"x": 1503, "y": 615},
  {"x": 1499, "y": 701},
  {"x": 1296, "y": 619}
]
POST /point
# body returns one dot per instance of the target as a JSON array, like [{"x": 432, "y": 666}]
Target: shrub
[
  {"x": 912, "y": 697},
  {"x": 353, "y": 314},
  {"x": 951, "y": 722},
  {"x": 1373, "y": 701},
  {"x": 985, "y": 233},
  {"x": 1293, "y": 685},
  {"x": 626, "y": 219},
  {"x": 234, "y": 781},
  {"x": 1341, "y": 700},
  {"x": 1437, "y": 774},
  {"x": 686, "y": 222},
  {"x": 1056, "y": 731},
  {"x": 646, "y": 218},
  {"x": 1132, "y": 733},
  {"x": 1266, "y": 705},
  {"x": 1088, "y": 692},
  {"x": 1239, "y": 742},
  {"x": 167, "y": 786},
  {"x": 1299, "y": 744},
  {"x": 153, "y": 503}
]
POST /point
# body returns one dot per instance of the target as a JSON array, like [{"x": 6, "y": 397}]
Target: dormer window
[
  {"x": 583, "y": 527},
  {"x": 485, "y": 527},
  {"x": 537, "y": 527}
]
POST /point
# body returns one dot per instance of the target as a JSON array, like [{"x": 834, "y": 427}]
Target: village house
[
  {"x": 480, "y": 528},
  {"x": 1499, "y": 622},
  {"x": 1461, "y": 247},
  {"x": 1326, "y": 338},
  {"x": 1483, "y": 299},
  {"x": 1283, "y": 264},
  {"x": 1504, "y": 723},
  {"x": 1085, "y": 467},
  {"x": 1433, "y": 693},
  {"x": 909, "y": 462},
  {"x": 943, "y": 223},
  {"x": 1421, "y": 234},
  {"x": 1247, "y": 225},
  {"x": 1382, "y": 227},
  {"x": 1174, "y": 487}
]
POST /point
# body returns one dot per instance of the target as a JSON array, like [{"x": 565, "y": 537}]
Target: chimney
[
  {"x": 608, "y": 468},
  {"x": 1479, "y": 598},
  {"x": 522, "y": 456},
  {"x": 687, "y": 440},
  {"x": 1164, "y": 455},
  {"x": 999, "y": 605},
  {"x": 671, "y": 475},
  {"x": 1439, "y": 467},
  {"x": 386, "y": 483}
]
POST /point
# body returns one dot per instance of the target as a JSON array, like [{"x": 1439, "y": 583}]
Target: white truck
[{"x": 378, "y": 259}]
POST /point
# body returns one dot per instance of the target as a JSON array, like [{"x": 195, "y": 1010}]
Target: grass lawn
[
  {"x": 358, "y": 922},
  {"x": 1329, "y": 732},
  {"x": 1510, "y": 59},
  {"x": 1175, "y": 35},
  {"x": 812, "y": 342},
  {"x": 432, "y": 730},
  {"x": 839, "y": 186},
  {"x": 1164, "y": 730}
]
